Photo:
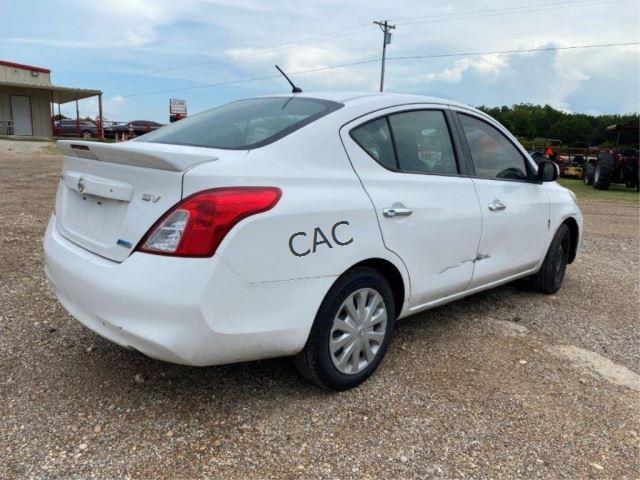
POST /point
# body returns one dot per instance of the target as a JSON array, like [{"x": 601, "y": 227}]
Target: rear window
[{"x": 244, "y": 124}]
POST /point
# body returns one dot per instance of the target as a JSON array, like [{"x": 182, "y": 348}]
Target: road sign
[{"x": 177, "y": 107}]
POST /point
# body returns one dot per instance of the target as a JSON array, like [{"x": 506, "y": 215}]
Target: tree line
[{"x": 536, "y": 122}]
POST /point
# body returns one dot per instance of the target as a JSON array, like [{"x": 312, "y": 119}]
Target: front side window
[
  {"x": 493, "y": 155},
  {"x": 244, "y": 124},
  {"x": 374, "y": 137},
  {"x": 423, "y": 142}
]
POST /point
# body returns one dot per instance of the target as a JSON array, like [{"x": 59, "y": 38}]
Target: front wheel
[
  {"x": 551, "y": 274},
  {"x": 351, "y": 331}
]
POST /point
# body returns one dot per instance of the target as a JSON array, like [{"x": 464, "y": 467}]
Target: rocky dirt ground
[{"x": 504, "y": 384}]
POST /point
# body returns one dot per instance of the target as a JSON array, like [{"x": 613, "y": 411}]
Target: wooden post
[{"x": 53, "y": 112}]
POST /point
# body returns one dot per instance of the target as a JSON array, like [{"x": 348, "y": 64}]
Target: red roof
[{"x": 24, "y": 67}]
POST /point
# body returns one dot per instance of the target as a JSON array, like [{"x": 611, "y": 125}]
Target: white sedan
[{"x": 300, "y": 225}]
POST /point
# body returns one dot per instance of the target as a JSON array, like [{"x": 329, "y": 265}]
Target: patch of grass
[
  {"x": 51, "y": 149},
  {"x": 616, "y": 193},
  {"x": 20, "y": 138}
]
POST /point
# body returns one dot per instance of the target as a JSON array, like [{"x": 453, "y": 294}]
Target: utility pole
[{"x": 386, "y": 40}]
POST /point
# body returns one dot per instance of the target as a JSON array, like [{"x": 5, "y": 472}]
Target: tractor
[
  {"x": 577, "y": 156},
  {"x": 614, "y": 166}
]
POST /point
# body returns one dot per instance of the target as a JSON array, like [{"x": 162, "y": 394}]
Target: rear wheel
[
  {"x": 351, "y": 331},
  {"x": 603, "y": 174},
  {"x": 629, "y": 174},
  {"x": 550, "y": 276}
]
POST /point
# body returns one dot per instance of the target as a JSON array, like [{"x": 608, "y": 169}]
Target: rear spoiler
[{"x": 140, "y": 154}]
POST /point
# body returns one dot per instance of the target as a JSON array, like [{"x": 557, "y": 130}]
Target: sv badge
[{"x": 149, "y": 197}]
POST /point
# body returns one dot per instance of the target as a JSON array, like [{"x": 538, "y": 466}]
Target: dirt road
[{"x": 504, "y": 384}]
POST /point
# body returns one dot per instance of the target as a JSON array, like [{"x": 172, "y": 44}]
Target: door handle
[
  {"x": 496, "y": 206},
  {"x": 396, "y": 212}
]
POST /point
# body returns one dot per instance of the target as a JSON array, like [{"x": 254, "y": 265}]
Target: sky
[{"x": 130, "y": 49}]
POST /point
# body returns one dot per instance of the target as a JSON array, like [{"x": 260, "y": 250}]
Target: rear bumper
[{"x": 181, "y": 310}]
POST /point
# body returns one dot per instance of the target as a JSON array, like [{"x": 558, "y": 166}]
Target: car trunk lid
[{"x": 109, "y": 195}]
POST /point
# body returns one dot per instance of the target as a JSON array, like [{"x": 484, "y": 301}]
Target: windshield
[{"x": 244, "y": 124}]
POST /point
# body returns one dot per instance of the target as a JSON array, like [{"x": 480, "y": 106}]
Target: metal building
[{"x": 27, "y": 100}]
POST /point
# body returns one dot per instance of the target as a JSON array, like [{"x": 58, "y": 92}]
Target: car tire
[
  {"x": 336, "y": 335},
  {"x": 86, "y": 134},
  {"x": 629, "y": 174},
  {"x": 551, "y": 274}
]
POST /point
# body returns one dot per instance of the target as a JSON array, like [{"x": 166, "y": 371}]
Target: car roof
[{"x": 358, "y": 100}]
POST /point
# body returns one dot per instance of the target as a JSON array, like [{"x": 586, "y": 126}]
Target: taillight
[{"x": 196, "y": 226}]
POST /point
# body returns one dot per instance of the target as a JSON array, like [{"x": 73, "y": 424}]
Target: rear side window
[
  {"x": 375, "y": 139},
  {"x": 423, "y": 142},
  {"x": 244, "y": 124},
  {"x": 493, "y": 155}
]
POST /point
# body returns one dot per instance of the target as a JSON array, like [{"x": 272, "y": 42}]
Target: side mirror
[{"x": 548, "y": 171}]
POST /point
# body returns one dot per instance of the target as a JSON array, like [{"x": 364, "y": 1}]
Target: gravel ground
[{"x": 504, "y": 384}]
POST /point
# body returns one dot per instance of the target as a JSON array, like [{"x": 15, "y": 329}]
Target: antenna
[{"x": 294, "y": 89}]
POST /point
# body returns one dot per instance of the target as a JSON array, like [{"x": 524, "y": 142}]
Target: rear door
[
  {"x": 515, "y": 210},
  {"x": 426, "y": 205}
]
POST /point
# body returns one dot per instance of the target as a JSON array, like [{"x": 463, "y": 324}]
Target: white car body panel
[
  {"x": 258, "y": 295},
  {"x": 438, "y": 241},
  {"x": 145, "y": 303},
  {"x": 97, "y": 222},
  {"x": 513, "y": 240},
  {"x": 260, "y": 251}
]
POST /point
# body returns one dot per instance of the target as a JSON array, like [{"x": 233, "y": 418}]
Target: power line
[
  {"x": 252, "y": 79},
  {"x": 442, "y": 17},
  {"x": 505, "y": 11},
  {"x": 309, "y": 40},
  {"x": 503, "y": 52},
  {"x": 363, "y": 62}
]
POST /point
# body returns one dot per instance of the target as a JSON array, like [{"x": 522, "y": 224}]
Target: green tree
[{"x": 530, "y": 122}]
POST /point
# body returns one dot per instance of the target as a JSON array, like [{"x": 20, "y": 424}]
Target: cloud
[
  {"x": 303, "y": 58},
  {"x": 485, "y": 66}
]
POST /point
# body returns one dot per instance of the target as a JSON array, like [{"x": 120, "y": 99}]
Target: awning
[{"x": 58, "y": 94}]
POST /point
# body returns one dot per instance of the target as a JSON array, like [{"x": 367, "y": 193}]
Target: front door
[
  {"x": 426, "y": 206},
  {"x": 515, "y": 210},
  {"x": 21, "y": 115}
]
